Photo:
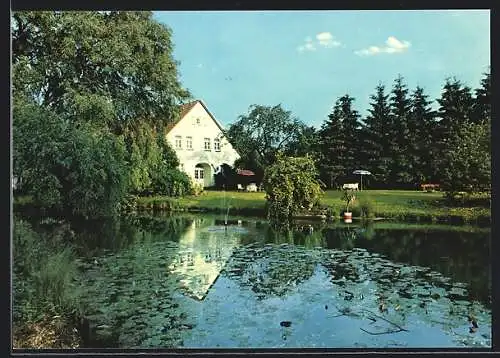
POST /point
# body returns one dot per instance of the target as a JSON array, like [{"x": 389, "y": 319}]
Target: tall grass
[
  {"x": 44, "y": 275},
  {"x": 364, "y": 208}
]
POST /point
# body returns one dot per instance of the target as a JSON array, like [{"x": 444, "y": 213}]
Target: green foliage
[
  {"x": 366, "y": 207},
  {"x": 44, "y": 274},
  {"x": 482, "y": 103},
  {"x": 262, "y": 133},
  {"x": 398, "y": 132},
  {"x": 466, "y": 163},
  {"x": 172, "y": 182},
  {"x": 304, "y": 142},
  {"x": 402, "y": 140},
  {"x": 348, "y": 197},
  {"x": 332, "y": 146},
  {"x": 150, "y": 158},
  {"x": 339, "y": 143},
  {"x": 291, "y": 185},
  {"x": 93, "y": 92},
  {"x": 77, "y": 169},
  {"x": 421, "y": 124},
  {"x": 107, "y": 67},
  {"x": 197, "y": 188},
  {"x": 375, "y": 149}
]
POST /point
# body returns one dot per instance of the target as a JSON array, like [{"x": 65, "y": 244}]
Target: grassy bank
[
  {"x": 401, "y": 205},
  {"x": 45, "y": 302},
  {"x": 404, "y": 205}
]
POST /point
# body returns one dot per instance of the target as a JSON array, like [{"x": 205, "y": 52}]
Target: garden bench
[{"x": 429, "y": 187}]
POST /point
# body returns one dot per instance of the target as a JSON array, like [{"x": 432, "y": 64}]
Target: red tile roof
[
  {"x": 245, "y": 172},
  {"x": 186, "y": 107}
]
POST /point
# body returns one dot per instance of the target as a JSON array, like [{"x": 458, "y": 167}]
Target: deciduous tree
[{"x": 291, "y": 185}]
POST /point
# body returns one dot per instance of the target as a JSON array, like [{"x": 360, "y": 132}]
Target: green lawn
[
  {"x": 384, "y": 201},
  {"x": 399, "y": 204},
  {"x": 390, "y": 202},
  {"x": 405, "y": 205}
]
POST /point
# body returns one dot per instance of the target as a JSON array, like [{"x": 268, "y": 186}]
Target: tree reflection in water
[{"x": 373, "y": 279}]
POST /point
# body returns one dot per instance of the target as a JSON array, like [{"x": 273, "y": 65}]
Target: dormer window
[{"x": 217, "y": 144}]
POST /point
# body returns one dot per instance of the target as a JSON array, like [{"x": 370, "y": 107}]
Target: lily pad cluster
[
  {"x": 141, "y": 295},
  {"x": 130, "y": 300},
  {"x": 271, "y": 269},
  {"x": 402, "y": 293}
]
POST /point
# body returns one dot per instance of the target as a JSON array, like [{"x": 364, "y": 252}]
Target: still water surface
[{"x": 189, "y": 281}]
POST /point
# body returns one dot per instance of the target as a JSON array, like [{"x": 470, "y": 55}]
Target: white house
[{"x": 200, "y": 144}]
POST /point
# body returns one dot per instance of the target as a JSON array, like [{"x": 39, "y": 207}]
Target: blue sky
[{"x": 305, "y": 60}]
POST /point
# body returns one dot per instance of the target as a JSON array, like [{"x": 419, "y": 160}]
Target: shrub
[
  {"x": 77, "y": 169},
  {"x": 291, "y": 185},
  {"x": 366, "y": 207},
  {"x": 197, "y": 188},
  {"x": 172, "y": 182}
]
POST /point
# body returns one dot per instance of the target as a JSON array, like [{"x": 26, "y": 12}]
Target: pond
[{"x": 190, "y": 281}]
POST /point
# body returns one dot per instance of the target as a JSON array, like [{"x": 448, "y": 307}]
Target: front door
[{"x": 199, "y": 174}]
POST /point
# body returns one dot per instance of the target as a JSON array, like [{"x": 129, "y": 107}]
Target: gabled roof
[{"x": 185, "y": 109}]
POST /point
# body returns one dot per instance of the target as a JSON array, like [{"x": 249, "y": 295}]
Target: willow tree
[
  {"x": 111, "y": 72},
  {"x": 291, "y": 185},
  {"x": 112, "y": 68}
]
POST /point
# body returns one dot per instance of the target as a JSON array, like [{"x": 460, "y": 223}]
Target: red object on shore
[
  {"x": 244, "y": 172},
  {"x": 347, "y": 215}
]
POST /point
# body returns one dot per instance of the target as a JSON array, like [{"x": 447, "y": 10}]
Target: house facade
[{"x": 198, "y": 139}]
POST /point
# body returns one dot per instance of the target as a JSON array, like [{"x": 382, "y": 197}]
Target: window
[
  {"x": 189, "y": 143},
  {"x": 178, "y": 142},
  {"x": 181, "y": 166},
  {"x": 197, "y": 121},
  {"x": 198, "y": 173},
  {"x": 207, "y": 144},
  {"x": 217, "y": 144}
]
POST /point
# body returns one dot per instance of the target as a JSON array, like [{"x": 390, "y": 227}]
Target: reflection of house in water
[{"x": 204, "y": 250}]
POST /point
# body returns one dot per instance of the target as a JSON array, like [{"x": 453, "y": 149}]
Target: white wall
[{"x": 206, "y": 128}]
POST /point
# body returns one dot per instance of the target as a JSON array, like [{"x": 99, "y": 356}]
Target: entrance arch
[{"x": 203, "y": 174}]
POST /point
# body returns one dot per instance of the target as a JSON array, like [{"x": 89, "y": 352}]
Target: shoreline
[
  {"x": 399, "y": 206},
  {"x": 405, "y": 217}
]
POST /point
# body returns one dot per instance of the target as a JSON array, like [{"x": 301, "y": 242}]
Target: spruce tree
[
  {"x": 331, "y": 145},
  {"x": 456, "y": 110},
  {"x": 421, "y": 126},
  {"x": 400, "y": 138},
  {"x": 375, "y": 138},
  {"x": 351, "y": 130},
  {"x": 482, "y": 100}
]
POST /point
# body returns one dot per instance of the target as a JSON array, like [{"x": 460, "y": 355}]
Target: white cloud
[
  {"x": 393, "y": 45},
  {"x": 326, "y": 39},
  {"x": 323, "y": 39}
]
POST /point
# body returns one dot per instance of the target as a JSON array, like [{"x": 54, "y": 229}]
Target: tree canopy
[
  {"x": 259, "y": 135},
  {"x": 291, "y": 185},
  {"x": 110, "y": 67},
  {"x": 107, "y": 81}
]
